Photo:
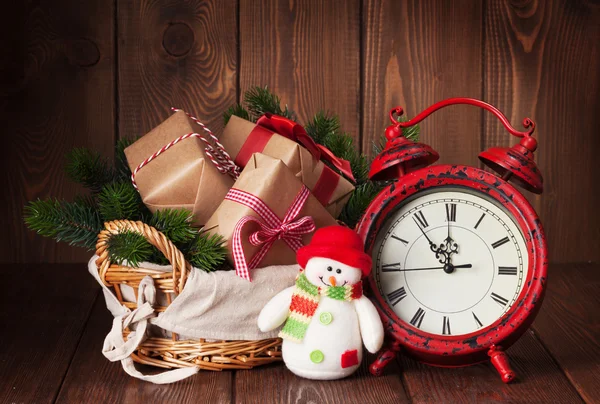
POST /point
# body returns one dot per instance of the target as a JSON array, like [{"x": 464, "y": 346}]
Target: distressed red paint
[{"x": 490, "y": 342}]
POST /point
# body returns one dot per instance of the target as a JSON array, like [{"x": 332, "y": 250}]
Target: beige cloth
[
  {"x": 221, "y": 305},
  {"x": 217, "y": 305}
]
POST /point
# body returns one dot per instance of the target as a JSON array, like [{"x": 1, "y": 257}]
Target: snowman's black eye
[
  {"x": 339, "y": 271},
  {"x": 329, "y": 269}
]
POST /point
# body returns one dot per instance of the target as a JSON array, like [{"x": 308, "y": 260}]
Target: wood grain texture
[
  {"x": 56, "y": 92},
  {"x": 56, "y": 333},
  {"x": 569, "y": 325},
  {"x": 91, "y": 375},
  {"x": 417, "y": 53},
  {"x": 543, "y": 61},
  {"x": 540, "y": 380},
  {"x": 276, "y": 384},
  {"x": 175, "y": 54},
  {"x": 43, "y": 315},
  {"x": 307, "y": 52}
]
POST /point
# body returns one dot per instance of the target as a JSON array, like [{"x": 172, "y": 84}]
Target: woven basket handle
[{"x": 181, "y": 267}]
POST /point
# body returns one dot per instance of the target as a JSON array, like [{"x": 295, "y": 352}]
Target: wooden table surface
[{"x": 54, "y": 322}]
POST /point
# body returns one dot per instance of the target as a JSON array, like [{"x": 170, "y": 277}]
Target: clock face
[{"x": 450, "y": 261}]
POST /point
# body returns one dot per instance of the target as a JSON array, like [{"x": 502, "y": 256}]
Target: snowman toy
[{"x": 327, "y": 318}]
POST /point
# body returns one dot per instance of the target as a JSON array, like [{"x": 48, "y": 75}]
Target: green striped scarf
[{"x": 305, "y": 300}]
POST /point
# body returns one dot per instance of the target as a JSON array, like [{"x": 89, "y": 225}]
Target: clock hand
[
  {"x": 423, "y": 269},
  {"x": 447, "y": 248},
  {"x": 431, "y": 245}
]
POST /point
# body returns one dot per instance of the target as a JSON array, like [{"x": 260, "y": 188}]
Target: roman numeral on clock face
[
  {"x": 418, "y": 318},
  {"x": 499, "y": 299},
  {"x": 399, "y": 239},
  {"x": 500, "y": 242},
  {"x": 507, "y": 270},
  {"x": 479, "y": 325},
  {"x": 479, "y": 221},
  {"x": 446, "y": 327},
  {"x": 420, "y": 219},
  {"x": 397, "y": 295},
  {"x": 451, "y": 212}
]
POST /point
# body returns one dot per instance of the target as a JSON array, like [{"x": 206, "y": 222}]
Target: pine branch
[
  {"x": 360, "y": 199},
  {"x": 175, "y": 224},
  {"x": 207, "y": 252},
  {"x": 122, "y": 170},
  {"x": 129, "y": 247},
  {"x": 342, "y": 145},
  {"x": 360, "y": 167},
  {"x": 74, "y": 223},
  {"x": 322, "y": 125},
  {"x": 259, "y": 100},
  {"x": 412, "y": 132},
  {"x": 86, "y": 200},
  {"x": 88, "y": 168},
  {"x": 119, "y": 201},
  {"x": 379, "y": 145},
  {"x": 237, "y": 110}
]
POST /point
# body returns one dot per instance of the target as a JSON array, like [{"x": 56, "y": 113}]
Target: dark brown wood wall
[{"x": 86, "y": 73}]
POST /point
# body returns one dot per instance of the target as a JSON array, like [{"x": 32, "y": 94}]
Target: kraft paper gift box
[
  {"x": 180, "y": 177},
  {"x": 271, "y": 181},
  {"x": 241, "y": 138}
]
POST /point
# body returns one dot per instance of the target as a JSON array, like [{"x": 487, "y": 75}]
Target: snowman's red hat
[{"x": 338, "y": 243}]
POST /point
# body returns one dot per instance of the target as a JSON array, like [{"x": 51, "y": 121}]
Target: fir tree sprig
[
  {"x": 113, "y": 196},
  {"x": 358, "y": 202},
  {"x": 175, "y": 224},
  {"x": 87, "y": 200},
  {"x": 119, "y": 200},
  {"x": 260, "y": 100},
  {"x": 207, "y": 252},
  {"x": 129, "y": 247},
  {"x": 88, "y": 168},
  {"x": 75, "y": 223},
  {"x": 237, "y": 110},
  {"x": 322, "y": 125},
  {"x": 342, "y": 145},
  {"x": 412, "y": 132},
  {"x": 122, "y": 170},
  {"x": 379, "y": 145}
]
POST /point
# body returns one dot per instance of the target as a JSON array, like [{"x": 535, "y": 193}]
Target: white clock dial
[{"x": 456, "y": 292}]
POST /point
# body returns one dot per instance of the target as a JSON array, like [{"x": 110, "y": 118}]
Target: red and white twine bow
[
  {"x": 217, "y": 153},
  {"x": 272, "y": 228}
]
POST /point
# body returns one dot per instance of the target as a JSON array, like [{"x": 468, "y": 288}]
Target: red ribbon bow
[
  {"x": 293, "y": 131},
  {"x": 271, "y": 228}
]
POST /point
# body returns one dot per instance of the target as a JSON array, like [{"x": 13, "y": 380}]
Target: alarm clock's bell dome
[
  {"x": 400, "y": 156},
  {"x": 516, "y": 164}
]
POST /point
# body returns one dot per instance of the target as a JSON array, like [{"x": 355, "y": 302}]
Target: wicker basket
[{"x": 174, "y": 352}]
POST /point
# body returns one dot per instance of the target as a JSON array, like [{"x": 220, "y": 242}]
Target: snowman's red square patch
[{"x": 349, "y": 358}]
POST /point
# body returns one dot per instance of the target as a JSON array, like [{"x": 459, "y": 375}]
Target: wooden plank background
[{"x": 86, "y": 74}]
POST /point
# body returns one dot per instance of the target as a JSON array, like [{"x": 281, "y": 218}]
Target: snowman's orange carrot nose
[{"x": 332, "y": 280}]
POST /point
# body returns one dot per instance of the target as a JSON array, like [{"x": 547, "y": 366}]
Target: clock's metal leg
[
  {"x": 500, "y": 361},
  {"x": 385, "y": 356}
]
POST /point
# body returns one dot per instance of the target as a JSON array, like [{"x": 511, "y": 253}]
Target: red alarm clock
[{"x": 459, "y": 255}]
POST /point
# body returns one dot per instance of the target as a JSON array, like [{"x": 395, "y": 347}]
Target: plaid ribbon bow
[{"x": 272, "y": 228}]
